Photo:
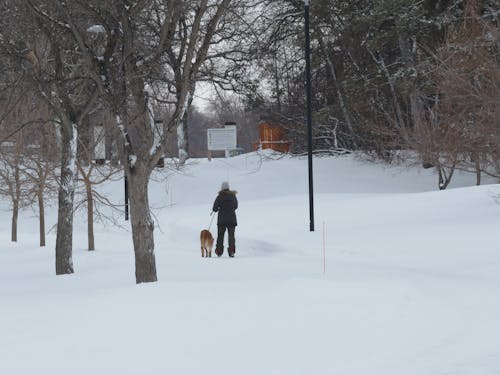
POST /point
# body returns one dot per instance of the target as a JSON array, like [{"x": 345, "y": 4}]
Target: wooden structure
[{"x": 273, "y": 137}]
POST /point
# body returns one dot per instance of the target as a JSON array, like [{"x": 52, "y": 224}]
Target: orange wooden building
[{"x": 272, "y": 137}]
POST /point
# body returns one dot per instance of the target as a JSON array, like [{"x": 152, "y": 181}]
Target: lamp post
[
  {"x": 309, "y": 115},
  {"x": 125, "y": 181}
]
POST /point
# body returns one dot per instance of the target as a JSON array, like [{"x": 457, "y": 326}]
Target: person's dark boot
[
  {"x": 219, "y": 251},
  {"x": 231, "y": 251}
]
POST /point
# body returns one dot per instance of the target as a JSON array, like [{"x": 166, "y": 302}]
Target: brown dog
[{"x": 207, "y": 242}]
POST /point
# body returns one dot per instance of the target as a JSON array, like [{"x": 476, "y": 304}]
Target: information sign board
[{"x": 220, "y": 139}]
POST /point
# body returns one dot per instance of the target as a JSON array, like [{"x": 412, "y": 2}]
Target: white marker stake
[{"x": 324, "y": 249}]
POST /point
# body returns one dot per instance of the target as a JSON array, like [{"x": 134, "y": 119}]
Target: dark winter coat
[{"x": 226, "y": 204}]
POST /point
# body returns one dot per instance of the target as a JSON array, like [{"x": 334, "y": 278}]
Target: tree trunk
[
  {"x": 90, "y": 215},
  {"x": 397, "y": 108},
  {"x": 15, "y": 215},
  {"x": 16, "y": 200},
  {"x": 41, "y": 210},
  {"x": 408, "y": 48},
  {"x": 182, "y": 130},
  {"x": 340, "y": 96},
  {"x": 142, "y": 223},
  {"x": 444, "y": 177},
  {"x": 277, "y": 80},
  {"x": 477, "y": 165},
  {"x": 64, "y": 240},
  {"x": 139, "y": 141}
]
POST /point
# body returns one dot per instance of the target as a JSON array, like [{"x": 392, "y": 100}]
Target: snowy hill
[{"x": 411, "y": 284}]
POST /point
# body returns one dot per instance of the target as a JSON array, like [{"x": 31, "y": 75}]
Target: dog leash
[{"x": 211, "y": 220}]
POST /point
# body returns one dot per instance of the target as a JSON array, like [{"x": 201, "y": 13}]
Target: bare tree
[
  {"x": 124, "y": 58},
  {"x": 40, "y": 162},
  {"x": 11, "y": 178},
  {"x": 210, "y": 34},
  {"x": 461, "y": 128},
  {"x": 92, "y": 174},
  {"x": 23, "y": 118},
  {"x": 37, "y": 38}
]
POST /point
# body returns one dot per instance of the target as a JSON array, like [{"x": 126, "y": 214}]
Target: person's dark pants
[{"x": 219, "y": 247}]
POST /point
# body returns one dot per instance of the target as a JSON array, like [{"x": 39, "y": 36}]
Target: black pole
[
  {"x": 126, "y": 196},
  {"x": 309, "y": 116}
]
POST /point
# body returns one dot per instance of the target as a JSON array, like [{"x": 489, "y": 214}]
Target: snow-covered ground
[{"x": 412, "y": 281}]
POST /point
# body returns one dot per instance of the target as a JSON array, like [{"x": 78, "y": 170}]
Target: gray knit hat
[{"x": 224, "y": 186}]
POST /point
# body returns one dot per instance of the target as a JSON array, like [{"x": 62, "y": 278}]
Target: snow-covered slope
[{"x": 412, "y": 279}]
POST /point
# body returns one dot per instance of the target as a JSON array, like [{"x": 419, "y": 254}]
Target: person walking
[{"x": 225, "y": 204}]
